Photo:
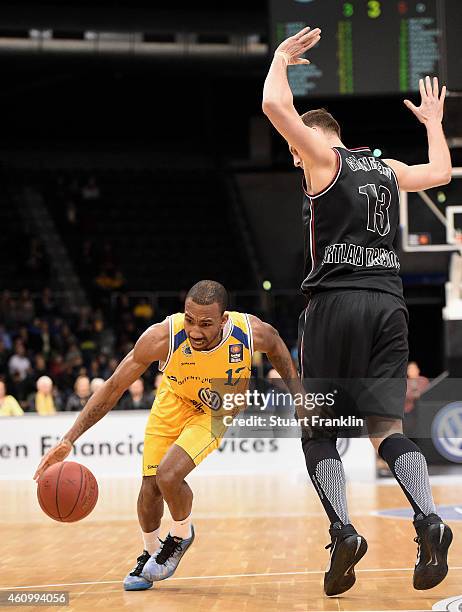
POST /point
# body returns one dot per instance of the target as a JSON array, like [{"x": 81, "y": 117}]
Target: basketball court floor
[{"x": 259, "y": 546}]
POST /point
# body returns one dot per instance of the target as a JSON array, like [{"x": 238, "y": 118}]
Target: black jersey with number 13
[{"x": 351, "y": 227}]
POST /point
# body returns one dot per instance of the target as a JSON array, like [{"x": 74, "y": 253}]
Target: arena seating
[
  {"x": 22, "y": 258},
  {"x": 158, "y": 227}
]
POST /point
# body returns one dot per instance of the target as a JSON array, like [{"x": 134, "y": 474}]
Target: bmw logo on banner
[{"x": 447, "y": 432}]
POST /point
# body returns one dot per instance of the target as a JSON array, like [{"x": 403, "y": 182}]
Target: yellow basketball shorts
[{"x": 173, "y": 421}]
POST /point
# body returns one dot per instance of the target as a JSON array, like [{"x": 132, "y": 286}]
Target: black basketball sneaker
[
  {"x": 346, "y": 549},
  {"x": 433, "y": 540}
]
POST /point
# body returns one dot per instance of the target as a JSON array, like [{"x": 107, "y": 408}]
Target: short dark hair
[
  {"x": 321, "y": 118},
  {"x": 207, "y": 292}
]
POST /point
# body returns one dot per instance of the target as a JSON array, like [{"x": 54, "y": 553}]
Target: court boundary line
[
  {"x": 224, "y": 576},
  {"x": 378, "y": 513}
]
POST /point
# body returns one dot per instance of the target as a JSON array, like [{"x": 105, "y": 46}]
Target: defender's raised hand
[
  {"x": 295, "y": 46},
  {"x": 432, "y": 104}
]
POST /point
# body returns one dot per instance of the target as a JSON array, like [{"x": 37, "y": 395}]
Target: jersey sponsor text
[{"x": 357, "y": 255}]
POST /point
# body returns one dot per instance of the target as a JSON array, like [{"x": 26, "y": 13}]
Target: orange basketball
[{"x": 67, "y": 491}]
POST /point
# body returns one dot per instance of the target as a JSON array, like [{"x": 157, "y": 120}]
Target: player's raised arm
[
  {"x": 151, "y": 346},
  {"x": 430, "y": 113},
  {"x": 278, "y": 103}
]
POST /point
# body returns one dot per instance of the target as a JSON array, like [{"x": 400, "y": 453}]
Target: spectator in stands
[
  {"x": 5, "y": 297},
  {"x": 136, "y": 399},
  {"x": 110, "y": 278},
  {"x": 103, "y": 362},
  {"x": 71, "y": 212},
  {"x": 65, "y": 337},
  {"x": 35, "y": 343},
  {"x": 65, "y": 379},
  {"x": 103, "y": 336},
  {"x": 47, "y": 306},
  {"x": 18, "y": 363},
  {"x": 96, "y": 384},
  {"x": 123, "y": 311},
  {"x": 56, "y": 366},
  {"x": 84, "y": 321},
  {"x": 87, "y": 339},
  {"x": 23, "y": 336},
  {"x": 74, "y": 356},
  {"x": 80, "y": 396},
  {"x": 9, "y": 312},
  {"x": 20, "y": 387},
  {"x": 112, "y": 365},
  {"x": 40, "y": 366},
  {"x": 36, "y": 263},
  {"x": 4, "y": 356},
  {"x": 143, "y": 310},
  {"x": 82, "y": 371},
  {"x": 5, "y": 338},
  {"x": 8, "y": 404},
  {"x": 46, "y": 400},
  {"x": 416, "y": 385},
  {"x": 130, "y": 332},
  {"x": 94, "y": 369},
  {"x": 45, "y": 338},
  {"x": 91, "y": 191},
  {"x": 25, "y": 308}
]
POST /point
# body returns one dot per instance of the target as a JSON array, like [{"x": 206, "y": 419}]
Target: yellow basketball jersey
[{"x": 207, "y": 379}]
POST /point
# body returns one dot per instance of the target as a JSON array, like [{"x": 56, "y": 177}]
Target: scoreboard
[{"x": 367, "y": 46}]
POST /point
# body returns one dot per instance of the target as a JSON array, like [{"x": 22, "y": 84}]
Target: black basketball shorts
[{"x": 353, "y": 345}]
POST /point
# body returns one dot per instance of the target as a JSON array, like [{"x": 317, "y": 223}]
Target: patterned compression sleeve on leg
[
  {"x": 409, "y": 467},
  {"x": 328, "y": 476}
]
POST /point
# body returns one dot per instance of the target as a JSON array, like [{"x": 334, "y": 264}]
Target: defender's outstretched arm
[
  {"x": 438, "y": 170},
  {"x": 151, "y": 346},
  {"x": 278, "y": 104}
]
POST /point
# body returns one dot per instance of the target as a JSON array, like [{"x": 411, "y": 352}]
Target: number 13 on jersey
[{"x": 378, "y": 204}]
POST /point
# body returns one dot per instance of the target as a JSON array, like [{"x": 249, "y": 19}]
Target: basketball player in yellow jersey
[{"x": 203, "y": 352}]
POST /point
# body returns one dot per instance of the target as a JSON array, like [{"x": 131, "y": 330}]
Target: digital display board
[
  {"x": 367, "y": 46},
  {"x": 453, "y": 43}
]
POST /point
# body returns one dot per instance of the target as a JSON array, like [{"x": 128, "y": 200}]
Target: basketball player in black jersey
[{"x": 355, "y": 324}]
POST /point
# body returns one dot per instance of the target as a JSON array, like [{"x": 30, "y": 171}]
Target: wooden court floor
[{"x": 259, "y": 547}]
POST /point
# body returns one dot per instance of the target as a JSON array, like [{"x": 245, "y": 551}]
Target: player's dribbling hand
[
  {"x": 432, "y": 104},
  {"x": 294, "y": 47},
  {"x": 58, "y": 453}
]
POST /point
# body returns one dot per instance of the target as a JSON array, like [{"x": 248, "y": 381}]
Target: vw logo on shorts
[
  {"x": 210, "y": 398},
  {"x": 447, "y": 432}
]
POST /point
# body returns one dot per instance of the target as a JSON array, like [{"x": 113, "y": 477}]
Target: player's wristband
[{"x": 285, "y": 55}]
